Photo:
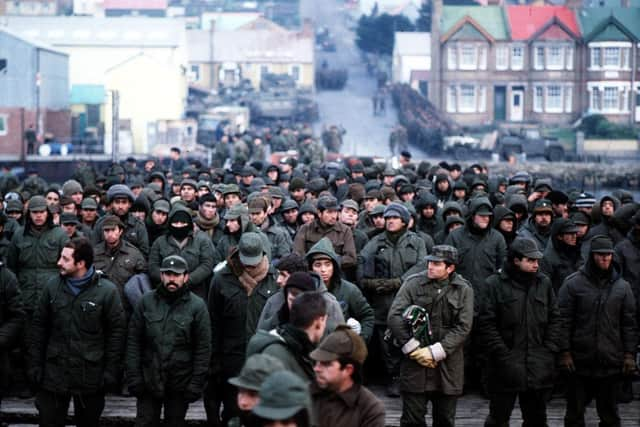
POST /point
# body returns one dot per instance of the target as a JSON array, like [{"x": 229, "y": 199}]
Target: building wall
[
  {"x": 408, "y": 63},
  {"x": 138, "y": 82},
  {"x": 18, "y": 120},
  {"x": 205, "y": 77}
]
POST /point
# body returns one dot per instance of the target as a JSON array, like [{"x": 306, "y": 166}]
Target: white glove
[{"x": 354, "y": 325}]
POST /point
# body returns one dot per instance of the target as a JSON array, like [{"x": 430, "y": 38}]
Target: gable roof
[
  {"x": 486, "y": 19},
  {"x": 528, "y": 22},
  {"x": 413, "y": 43},
  {"x": 262, "y": 46},
  {"x": 596, "y": 21}
]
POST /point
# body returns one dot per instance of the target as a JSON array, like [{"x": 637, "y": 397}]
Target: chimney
[
  {"x": 307, "y": 28},
  {"x": 435, "y": 91}
]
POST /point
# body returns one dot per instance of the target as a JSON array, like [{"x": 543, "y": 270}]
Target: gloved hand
[
  {"x": 387, "y": 286},
  {"x": 354, "y": 325},
  {"x": 628, "y": 364},
  {"x": 565, "y": 360},
  {"x": 424, "y": 357},
  {"x": 190, "y": 396},
  {"x": 136, "y": 390}
]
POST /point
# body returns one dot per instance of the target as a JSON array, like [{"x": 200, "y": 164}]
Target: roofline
[
  {"x": 458, "y": 25},
  {"x": 604, "y": 24},
  {"x": 36, "y": 45},
  {"x": 553, "y": 21}
]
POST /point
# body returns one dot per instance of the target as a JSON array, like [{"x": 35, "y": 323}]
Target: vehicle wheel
[{"x": 555, "y": 154}]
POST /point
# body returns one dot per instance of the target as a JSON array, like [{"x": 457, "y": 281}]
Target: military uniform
[
  {"x": 168, "y": 351},
  {"x": 75, "y": 349}
]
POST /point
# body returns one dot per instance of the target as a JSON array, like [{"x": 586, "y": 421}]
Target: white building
[{"x": 412, "y": 60}]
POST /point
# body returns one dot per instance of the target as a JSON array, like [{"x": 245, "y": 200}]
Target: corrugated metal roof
[
  {"x": 87, "y": 94},
  {"x": 491, "y": 18},
  {"x": 34, "y": 43},
  {"x": 592, "y": 19},
  {"x": 199, "y": 45},
  {"x": 261, "y": 46},
  {"x": 99, "y": 31},
  {"x": 525, "y": 21},
  {"x": 416, "y": 43}
]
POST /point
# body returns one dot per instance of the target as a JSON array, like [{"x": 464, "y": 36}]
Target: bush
[
  {"x": 375, "y": 33},
  {"x": 597, "y": 126}
]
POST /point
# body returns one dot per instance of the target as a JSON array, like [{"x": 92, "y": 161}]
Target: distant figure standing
[{"x": 375, "y": 104}]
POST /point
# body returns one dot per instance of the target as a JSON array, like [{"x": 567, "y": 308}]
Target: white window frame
[
  {"x": 452, "y": 57},
  {"x": 555, "y": 61},
  {"x": 482, "y": 57},
  {"x": 617, "y": 57},
  {"x": 569, "y": 57},
  {"x": 538, "y": 99},
  {"x": 568, "y": 99},
  {"x": 594, "y": 99},
  {"x": 548, "y": 107},
  {"x": 613, "y": 101},
  {"x": 482, "y": 99},
  {"x": 4, "y": 118},
  {"x": 538, "y": 60},
  {"x": 466, "y": 103},
  {"x": 452, "y": 99},
  {"x": 519, "y": 64},
  {"x": 626, "y": 57},
  {"x": 595, "y": 58},
  {"x": 466, "y": 62},
  {"x": 502, "y": 58}
]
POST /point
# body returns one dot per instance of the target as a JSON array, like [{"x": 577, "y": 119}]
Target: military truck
[{"x": 529, "y": 141}]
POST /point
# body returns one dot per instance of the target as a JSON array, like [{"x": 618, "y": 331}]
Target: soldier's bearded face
[
  {"x": 120, "y": 207},
  {"x": 329, "y": 375},
  {"x": 173, "y": 281},
  {"x": 328, "y": 216},
  {"x": 66, "y": 263}
]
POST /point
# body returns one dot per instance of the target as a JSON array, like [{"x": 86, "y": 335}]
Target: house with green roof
[
  {"x": 469, "y": 37},
  {"x": 611, "y": 57}
]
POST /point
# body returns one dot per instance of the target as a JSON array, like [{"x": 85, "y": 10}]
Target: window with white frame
[
  {"x": 538, "y": 61},
  {"x": 611, "y": 57},
  {"x": 482, "y": 99},
  {"x": 517, "y": 57},
  {"x": 626, "y": 53},
  {"x": 451, "y": 99},
  {"x": 610, "y": 100},
  {"x": 569, "y": 55},
  {"x": 502, "y": 58},
  {"x": 4, "y": 125},
  {"x": 594, "y": 102},
  {"x": 555, "y": 60},
  {"x": 482, "y": 57},
  {"x": 553, "y": 102},
  {"x": 568, "y": 99},
  {"x": 538, "y": 99},
  {"x": 467, "y": 101},
  {"x": 468, "y": 57},
  {"x": 596, "y": 60},
  {"x": 452, "y": 58}
]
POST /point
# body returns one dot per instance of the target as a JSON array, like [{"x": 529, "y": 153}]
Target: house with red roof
[{"x": 547, "y": 40}]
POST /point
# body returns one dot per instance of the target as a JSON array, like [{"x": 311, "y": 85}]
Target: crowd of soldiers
[{"x": 260, "y": 288}]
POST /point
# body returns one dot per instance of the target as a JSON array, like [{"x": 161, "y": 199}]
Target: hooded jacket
[
  {"x": 351, "y": 300},
  {"x": 198, "y": 251},
  {"x": 530, "y": 230},
  {"x": 499, "y": 213},
  {"x": 270, "y": 317},
  {"x": 228, "y": 241},
  {"x": 480, "y": 253},
  {"x": 560, "y": 260},
  {"x": 431, "y": 225},
  {"x": 599, "y": 320}
]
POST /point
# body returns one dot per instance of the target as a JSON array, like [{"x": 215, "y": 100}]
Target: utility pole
[{"x": 115, "y": 125}]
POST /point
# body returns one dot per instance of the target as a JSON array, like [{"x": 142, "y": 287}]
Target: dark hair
[
  {"x": 82, "y": 250},
  {"x": 175, "y": 150},
  {"x": 292, "y": 263},
  {"x": 306, "y": 308},
  {"x": 357, "y": 368},
  {"x": 209, "y": 197},
  {"x": 301, "y": 419}
]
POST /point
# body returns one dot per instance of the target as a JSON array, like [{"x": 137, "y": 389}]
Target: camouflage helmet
[{"x": 445, "y": 253}]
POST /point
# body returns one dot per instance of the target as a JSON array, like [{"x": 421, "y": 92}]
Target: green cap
[
  {"x": 89, "y": 203},
  {"x": 175, "y": 264},
  {"x": 255, "y": 370},
  {"x": 445, "y": 253},
  {"x": 37, "y": 204},
  {"x": 251, "y": 249},
  {"x": 236, "y": 211},
  {"x": 282, "y": 395}
]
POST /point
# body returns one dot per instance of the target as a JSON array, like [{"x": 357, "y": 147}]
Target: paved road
[{"x": 351, "y": 107}]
